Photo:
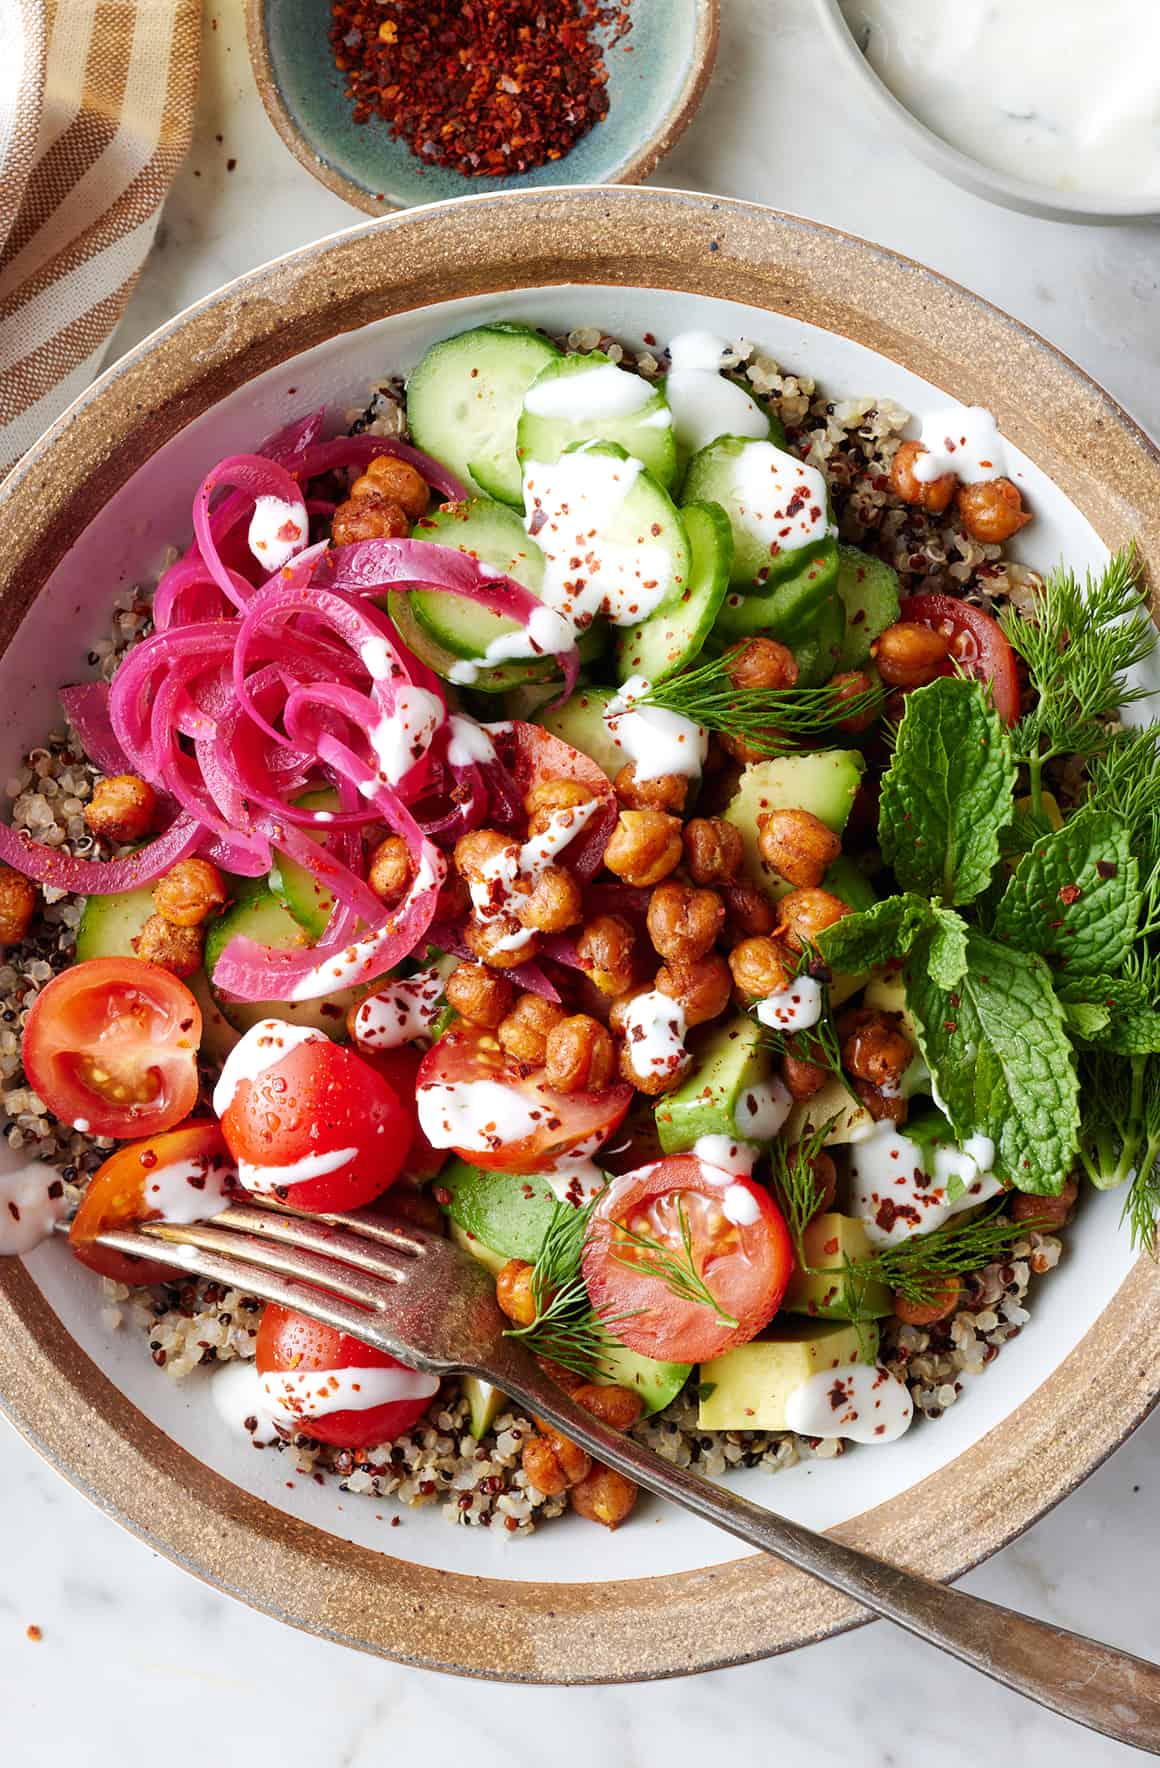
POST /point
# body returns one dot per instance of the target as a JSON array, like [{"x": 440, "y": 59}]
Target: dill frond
[
  {"x": 677, "y": 1271},
  {"x": 773, "y": 720}
]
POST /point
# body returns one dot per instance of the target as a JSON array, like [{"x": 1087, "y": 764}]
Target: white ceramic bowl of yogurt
[{"x": 1047, "y": 106}]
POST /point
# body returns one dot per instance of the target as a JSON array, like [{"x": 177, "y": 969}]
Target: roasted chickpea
[
  {"x": 684, "y": 923},
  {"x": 991, "y": 511},
  {"x": 389, "y": 868},
  {"x": 874, "y": 1046},
  {"x": 514, "y": 1291},
  {"x": 655, "y": 1081},
  {"x": 607, "y": 950},
  {"x": 802, "y": 1079},
  {"x": 713, "y": 850},
  {"x": 760, "y": 967},
  {"x": 825, "y": 1176},
  {"x": 882, "y": 1107},
  {"x": 851, "y": 685},
  {"x": 761, "y": 663},
  {"x": 618, "y": 1011},
  {"x": 18, "y": 899},
  {"x": 552, "y": 1463},
  {"x": 122, "y": 808},
  {"x": 500, "y": 941},
  {"x": 487, "y": 857},
  {"x": 370, "y": 517},
  {"x": 744, "y": 752},
  {"x": 479, "y": 995},
  {"x": 749, "y": 909},
  {"x": 176, "y": 949},
  {"x": 803, "y": 914},
  {"x": 702, "y": 987},
  {"x": 908, "y": 655},
  {"x": 553, "y": 903},
  {"x": 549, "y": 796},
  {"x": 617, "y": 1407},
  {"x": 580, "y": 1056},
  {"x": 644, "y": 847},
  {"x": 797, "y": 844},
  {"x": 930, "y": 494},
  {"x": 664, "y": 792},
  {"x": 604, "y": 1496},
  {"x": 523, "y": 1032},
  {"x": 397, "y": 481},
  {"x": 191, "y": 891},
  {"x": 453, "y": 904},
  {"x": 1046, "y": 1213},
  {"x": 945, "y": 1299}
]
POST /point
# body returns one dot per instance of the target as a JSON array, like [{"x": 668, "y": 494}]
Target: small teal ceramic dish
[{"x": 657, "y": 75}]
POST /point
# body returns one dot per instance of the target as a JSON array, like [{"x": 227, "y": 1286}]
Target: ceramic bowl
[
  {"x": 971, "y": 174},
  {"x": 90, "y": 510},
  {"x": 657, "y": 75}
]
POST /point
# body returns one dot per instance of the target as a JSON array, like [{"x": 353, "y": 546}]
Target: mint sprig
[
  {"x": 948, "y": 792},
  {"x": 1075, "y": 898}
]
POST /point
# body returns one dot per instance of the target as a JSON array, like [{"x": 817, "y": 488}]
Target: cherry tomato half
[
  {"x": 400, "y": 1069},
  {"x": 535, "y": 755},
  {"x": 515, "y": 1122},
  {"x": 111, "y": 1046},
  {"x": 183, "y": 1175},
  {"x": 289, "y": 1344},
  {"x": 319, "y": 1128},
  {"x": 740, "y": 1247},
  {"x": 977, "y": 645}
]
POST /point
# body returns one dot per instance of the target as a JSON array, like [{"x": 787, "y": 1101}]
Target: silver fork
[{"x": 416, "y": 1296}]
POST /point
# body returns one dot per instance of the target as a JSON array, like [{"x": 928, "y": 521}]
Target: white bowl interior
[{"x": 123, "y": 546}]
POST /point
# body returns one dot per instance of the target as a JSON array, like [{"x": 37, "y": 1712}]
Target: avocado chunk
[
  {"x": 730, "y": 1061},
  {"x": 825, "y": 784},
  {"x": 484, "y": 1401},
  {"x": 655, "y": 1383},
  {"x": 747, "y": 1388},
  {"x": 580, "y": 721},
  {"x": 474, "y": 1247},
  {"x": 506, "y": 1213},
  {"x": 850, "y": 1120},
  {"x": 823, "y": 1291}
]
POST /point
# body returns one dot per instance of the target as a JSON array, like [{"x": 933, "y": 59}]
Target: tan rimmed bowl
[{"x": 90, "y": 509}]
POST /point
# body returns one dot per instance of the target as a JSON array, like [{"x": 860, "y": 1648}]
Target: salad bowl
[{"x": 92, "y": 510}]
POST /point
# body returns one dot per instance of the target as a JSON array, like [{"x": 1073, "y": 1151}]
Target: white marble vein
[{"x": 136, "y": 1658}]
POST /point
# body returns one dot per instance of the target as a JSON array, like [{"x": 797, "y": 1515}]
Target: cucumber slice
[
  {"x": 496, "y": 680},
  {"x": 580, "y": 721},
  {"x": 869, "y": 591},
  {"x": 109, "y": 925},
  {"x": 485, "y": 1401},
  {"x": 671, "y": 638},
  {"x": 495, "y": 535},
  {"x": 263, "y": 918},
  {"x": 804, "y": 612},
  {"x": 464, "y": 402},
  {"x": 297, "y": 889},
  {"x": 754, "y": 481},
  {"x": 591, "y": 399}
]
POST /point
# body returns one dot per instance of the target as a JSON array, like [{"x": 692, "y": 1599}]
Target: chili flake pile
[{"x": 489, "y": 87}]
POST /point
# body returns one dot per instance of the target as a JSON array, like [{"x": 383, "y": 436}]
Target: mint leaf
[
  {"x": 1086, "y": 1019},
  {"x": 1130, "y": 1019},
  {"x": 887, "y": 930},
  {"x": 1000, "y": 1058},
  {"x": 947, "y": 792},
  {"x": 1075, "y": 897},
  {"x": 947, "y": 951}
]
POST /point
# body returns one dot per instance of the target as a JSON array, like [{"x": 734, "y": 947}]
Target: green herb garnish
[
  {"x": 677, "y": 1271},
  {"x": 796, "y": 1184},
  {"x": 917, "y": 1268},
  {"x": 566, "y": 1328},
  {"x": 772, "y": 720}
]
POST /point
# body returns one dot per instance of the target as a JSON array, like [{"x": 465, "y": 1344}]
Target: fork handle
[{"x": 1111, "y": 1691}]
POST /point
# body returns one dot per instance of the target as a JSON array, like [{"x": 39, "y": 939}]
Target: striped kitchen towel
[{"x": 96, "y": 112}]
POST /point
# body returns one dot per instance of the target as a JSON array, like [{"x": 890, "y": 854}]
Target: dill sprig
[
  {"x": 677, "y": 1271},
  {"x": 566, "y": 1328},
  {"x": 917, "y": 1268},
  {"x": 819, "y": 1044},
  {"x": 1125, "y": 781},
  {"x": 772, "y": 720},
  {"x": 1079, "y": 644},
  {"x": 795, "y": 1182}
]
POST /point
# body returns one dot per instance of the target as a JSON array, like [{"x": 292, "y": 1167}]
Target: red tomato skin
[
  {"x": 987, "y": 655},
  {"x": 288, "y": 1341},
  {"x": 400, "y": 1069},
  {"x": 535, "y": 755},
  {"x": 156, "y": 1031},
  {"x": 467, "y": 1053},
  {"x": 116, "y": 1198},
  {"x": 317, "y": 1099},
  {"x": 665, "y": 1327}
]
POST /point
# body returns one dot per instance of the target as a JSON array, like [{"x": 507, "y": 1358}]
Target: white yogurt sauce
[
  {"x": 705, "y": 405},
  {"x": 654, "y": 1034},
  {"x": 546, "y": 633},
  {"x": 1058, "y": 92},
  {"x": 604, "y": 390},
  {"x": 570, "y": 505},
  {"x": 514, "y": 865},
  {"x": 32, "y": 1200},
  {"x": 403, "y": 737},
  {"x": 263, "y": 1047},
  {"x": 762, "y": 1109},
  {"x": 191, "y": 1190},
  {"x": 284, "y": 1401},
  {"x": 575, "y": 1178},
  {"x": 964, "y": 440},
  {"x": 468, "y": 742},
  {"x": 896, "y": 1195},
  {"x": 400, "y": 1012},
  {"x": 480, "y": 1115},
  {"x": 379, "y": 660},
  {"x": 860, "y": 1401},
  {"x": 740, "y": 1206},
  {"x": 729, "y": 1156},
  {"x": 655, "y": 740},
  {"x": 277, "y": 531},
  {"x": 264, "y": 1181},
  {"x": 781, "y": 501},
  {"x": 795, "y": 1008}
]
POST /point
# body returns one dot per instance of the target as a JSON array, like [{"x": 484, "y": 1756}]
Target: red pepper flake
[
  {"x": 488, "y": 87},
  {"x": 1069, "y": 893},
  {"x": 1106, "y": 868},
  {"x": 34, "y": 1633}
]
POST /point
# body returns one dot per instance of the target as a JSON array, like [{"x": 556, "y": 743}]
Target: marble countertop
[{"x": 135, "y": 1656}]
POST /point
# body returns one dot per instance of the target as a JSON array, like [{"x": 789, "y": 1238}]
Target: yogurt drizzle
[
  {"x": 860, "y": 1401},
  {"x": 32, "y": 1201},
  {"x": 895, "y": 1195},
  {"x": 703, "y": 403},
  {"x": 655, "y": 740}
]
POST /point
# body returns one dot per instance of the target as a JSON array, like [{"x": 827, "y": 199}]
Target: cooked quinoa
[{"x": 192, "y": 1324}]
